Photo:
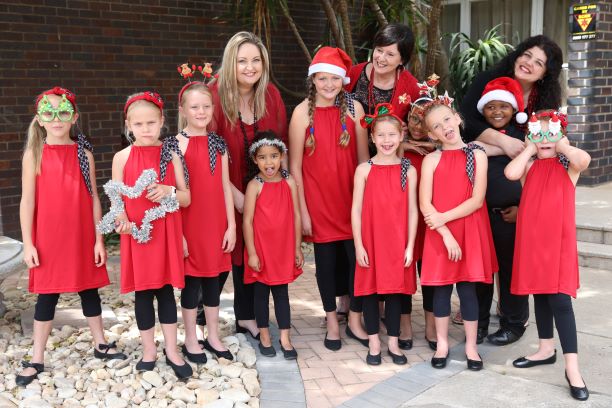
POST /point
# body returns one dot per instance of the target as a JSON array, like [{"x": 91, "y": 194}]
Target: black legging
[
  {"x": 280, "y": 294},
  {"x": 371, "y": 314},
  {"x": 467, "y": 300},
  {"x": 426, "y": 291},
  {"x": 44, "y": 310},
  {"x": 326, "y": 267},
  {"x": 145, "y": 312},
  {"x": 243, "y": 295},
  {"x": 559, "y": 306},
  {"x": 201, "y": 316},
  {"x": 208, "y": 287}
]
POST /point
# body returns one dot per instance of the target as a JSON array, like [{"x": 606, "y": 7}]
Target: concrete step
[
  {"x": 596, "y": 234},
  {"x": 593, "y": 255}
]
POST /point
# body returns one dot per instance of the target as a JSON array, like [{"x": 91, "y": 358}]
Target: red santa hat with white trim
[
  {"x": 333, "y": 61},
  {"x": 504, "y": 89}
]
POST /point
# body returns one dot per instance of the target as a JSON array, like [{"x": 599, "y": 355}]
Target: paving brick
[{"x": 316, "y": 373}]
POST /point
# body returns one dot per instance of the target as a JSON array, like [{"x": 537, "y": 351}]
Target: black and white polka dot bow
[
  {"x": 82, "y": 144},
  {"x": 169, "y": 145},
  {"x": 470, "y": 163}
]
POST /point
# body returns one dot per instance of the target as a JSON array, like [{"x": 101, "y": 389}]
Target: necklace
[{"x": 371, "y": 101}]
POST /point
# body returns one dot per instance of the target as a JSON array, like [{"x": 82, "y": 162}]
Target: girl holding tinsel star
[
  {"x": 58, "y": 209},
  {"x": 326, "y": 147},
  {"x": 549, "y": 168},
  {"x": 272, "y": 237},
  {"x": 152, "y": 268},
  {"x": 209, "y": 224}
]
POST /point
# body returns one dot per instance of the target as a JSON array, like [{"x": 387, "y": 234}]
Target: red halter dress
[{"x": 416, "y": 160}]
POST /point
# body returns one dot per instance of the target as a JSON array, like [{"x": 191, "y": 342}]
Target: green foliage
[
  {"x": 111, "y": 239},
  {"x": 468, "y": 58}
]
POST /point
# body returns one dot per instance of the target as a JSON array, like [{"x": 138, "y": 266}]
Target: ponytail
[{"x": 35, "y": 141}]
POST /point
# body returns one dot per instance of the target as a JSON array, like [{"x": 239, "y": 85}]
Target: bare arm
[
  {"x": 579, "y": 160},
  {"x": 26, "y": 208},
  {"x": 517, "y": 168},
  {"x": 361, "y": 135},
  {"x": 122, "y": 223},
  {"x": 297, "y": 134},
  {"x": 183, "y": 195},
  {"x": 491, "y": 150},
  {"x": 361, "y": 175},
  {"x": 510, "y": 146},
  {"x": 299, "y": 257},
  {"x": 229, "y": 239},
  {"x": 99, "y": 250},
  {"x": 250, "y": 198},
  {"x": 413, "y": 215}
]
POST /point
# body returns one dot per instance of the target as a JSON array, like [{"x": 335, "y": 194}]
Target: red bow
[
  {"x": 59, "y": 91},
  {"x": 149, "y": 96}
]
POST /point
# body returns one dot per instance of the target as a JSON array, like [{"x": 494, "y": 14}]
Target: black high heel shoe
[
  {"x": 578, "y": 393},
  {"x": 24, "y": 380},
  {"x": 198, "y": 358},
  {"x": 240, "y": 329},
  {"x": 103, "y": 355},
  {"x": 182, "y": 371},
  {"x": 219, "y": 353}
]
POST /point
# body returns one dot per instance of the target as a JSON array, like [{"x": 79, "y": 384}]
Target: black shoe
[
  {"x": 267, "y": 351},
  {"x": 349, "y": 333},
  {"x": 198, "y": 358},
  {"x": 481, "y": 334},
  {"x": 579, "y": 393},
  {"x": 523, "y": 362},
  {"x": 474, "y": 365},
  {"x": 433, "y": 344},
  {"x": 373, "y": 360},
  {"x": 240, "y": 329},
  {"x": 404, "y": 344},
  {"x": 226, "y": 354},
  {"x": 24, "y": 380},
  {"x": 439, "y": 362},
  {"x": 502, "y": 337},
  {"x": 288, "y": 354},
  {"x": 182, "y": 371},
  {"x": 145, "y": 365},
  {"x": 103, "y": 355},
  {"x": 333, "y": 345},
  {"x": 398, "y": 359}
]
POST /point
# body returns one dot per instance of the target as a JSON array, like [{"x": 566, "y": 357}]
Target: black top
[
  {"x": 501, "y": 192},
  {"x": 361, "y": 92}
]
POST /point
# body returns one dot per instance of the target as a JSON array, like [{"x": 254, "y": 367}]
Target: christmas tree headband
[
  {"x": 187, "y": 72},
  {"x": 148, "y": 96},
  {"x": 381, "y": 110},
  {"x": 59, "y": 91}
]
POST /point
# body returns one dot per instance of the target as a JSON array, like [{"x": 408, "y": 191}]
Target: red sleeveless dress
[
  {"x": 384, "y": 231},
  {"x": 328, "y": 177},
  {"x": 274, "y": 233},
  {"x": 159, "y": 262},
  {"x": 451, "y": 187},
  {"x": 545, "y": 254},
  {"x": 63, "y": 230},
  {"x": 416, "y": 160},
  {"x": 205, "y": 220}
]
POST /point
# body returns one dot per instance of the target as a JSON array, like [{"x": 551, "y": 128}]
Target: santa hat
[
  {"x": 333, "y": 61},
  {"x": 504, "y": 89}
]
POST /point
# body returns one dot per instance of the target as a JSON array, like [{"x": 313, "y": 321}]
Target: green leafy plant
[{"x": 468, "y": 58}]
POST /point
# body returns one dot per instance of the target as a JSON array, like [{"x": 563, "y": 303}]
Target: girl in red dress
[
  {"x": 209, "y": 225},
  {"x": 458, "y": 246},
  {"x": 326, "y": 147},
  {"x": 384, "y": 219},
  {"x": 273, "y": 237},
  {"x": 58, "y": 211},
  {"x": 151, "y": 269},
  {"x": 549, "y": 169}
]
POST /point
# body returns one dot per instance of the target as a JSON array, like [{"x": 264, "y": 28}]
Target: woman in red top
[
  {"x": 545, "y": 256},
  {"x": 58, "y": 209},
  {"x": 326, "y": 147},
  {"x": 245, "y": 102}
]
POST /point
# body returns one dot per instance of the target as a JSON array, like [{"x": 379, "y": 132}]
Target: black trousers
[
  {"x": 244, "y": 307},
  {"x": 44, "y": 310},
  {"x": 514, "y": 308},
  {"x": 371, "y": 313},
  {"x": 326, "y": 256},
  {"x": 145, "y": 311},
  {"x": 467, "y": 300},
  {"x": 201, "y": 317},
  {"x": 559, "y": 307},
  {"x": 205, "y": 289},
  {"x": 280, "y": 294},
  {"x": 426, "y": 291}
]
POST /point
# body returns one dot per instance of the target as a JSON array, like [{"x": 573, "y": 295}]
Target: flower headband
[
  {"x": 149, "y": 96},
  {"x": 59, "y": 91},
  {"x": 187, "y": 72},
  {"x": 557, "y": 122},
  {"x": 267, "y": 142},
  {"x": 381, "y": 110}
]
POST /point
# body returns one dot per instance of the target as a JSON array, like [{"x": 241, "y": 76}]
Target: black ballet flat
[
  {"x": 145, "y": 365},
  {"x": 333, "y": 345},
  {"x": 23, "y": 380},
  {"x": 433, "y": 344},
  {"x": 103, "y": 355},
  {"x": 182, "y": 371},
  {"x": 439, "y": 362},
  {"x": 269, "y": 351},
  {"x": 524, "y": 362},
  {"x": 226, "y": 354},
  {"x": 240, "y": 329},
  {"x": 405, "y": 344},
  {"x": 398, "y": 359},
  {"x": 349, "y": 333},
  {"x": 474, "y": 365},
  {"x": 373, "y": 360},
  {"x": 198, "y": 358},
  {"x": 288, "y": 354},
  {"x": 578, "y": 393}
]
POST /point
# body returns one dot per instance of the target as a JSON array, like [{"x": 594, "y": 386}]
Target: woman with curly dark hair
[{"x": 536, "y": 65}]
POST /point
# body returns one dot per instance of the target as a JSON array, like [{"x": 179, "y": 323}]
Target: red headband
[
  {"x": 187, "y": 86},
  {"x": 59, "y": 91},
  {"x": 550, "y": 113},
  {"x": 381, "y": 110},
  {"x": 148, "y": 96}
]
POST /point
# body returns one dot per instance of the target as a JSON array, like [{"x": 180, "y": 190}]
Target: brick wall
[
  {"x": 106, "y": 50},
  {"x": 590, "y": 96}
]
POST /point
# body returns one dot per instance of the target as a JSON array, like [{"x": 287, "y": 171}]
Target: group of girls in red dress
[{"x": 408, "y": 207}]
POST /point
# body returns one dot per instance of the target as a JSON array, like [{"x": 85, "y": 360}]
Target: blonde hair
[
  {"x": 228, "y": 82},
  {"x": 390, "y": 119},
  {"x": 35, "y": 142},
  {"x": 133, "y": 104},
  {"x": 311, "y": 95},
  {"x": 199, "y": 87}
]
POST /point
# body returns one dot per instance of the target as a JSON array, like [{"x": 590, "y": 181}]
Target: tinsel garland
[{"x": 116, "y": 189}]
